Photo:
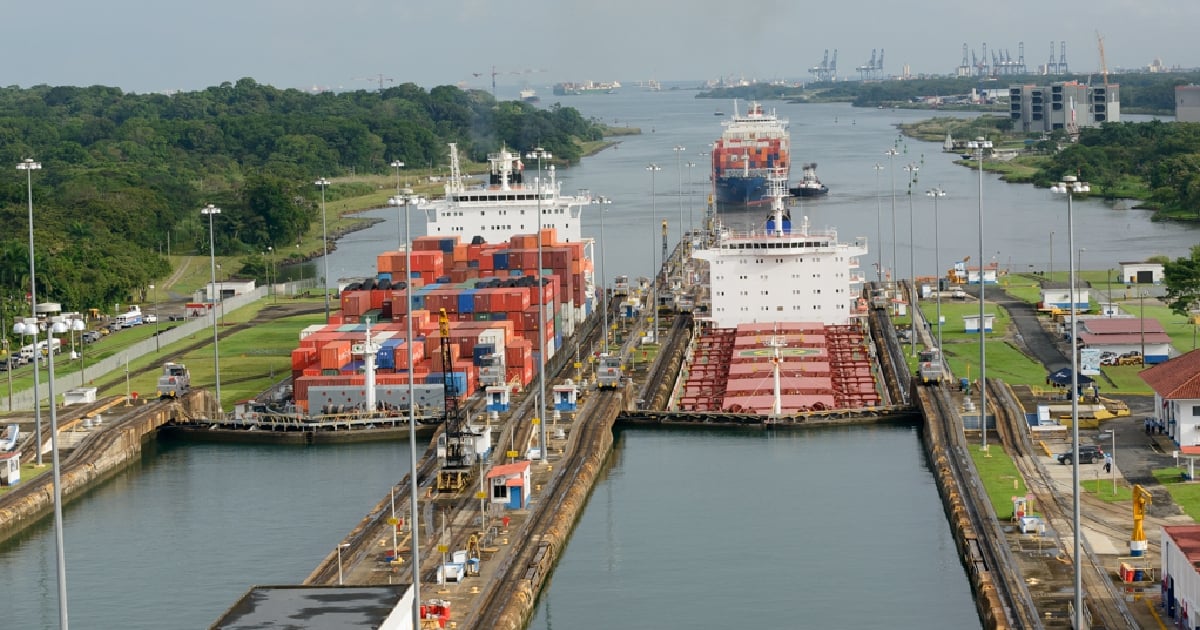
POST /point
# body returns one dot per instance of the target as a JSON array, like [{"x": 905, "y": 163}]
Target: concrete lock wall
[
  {"x": 103, "y": 454},
  {"x": 23, "y": 400}
]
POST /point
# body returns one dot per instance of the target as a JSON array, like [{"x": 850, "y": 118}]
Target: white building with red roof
[
  {"x": 1126, "y": 334},
  {"x": 509, "y": 484},
  {"x": 1180, "y": 577},
  {"x": 1176, "y": 386}
]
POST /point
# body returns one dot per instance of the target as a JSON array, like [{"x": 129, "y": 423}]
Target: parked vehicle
[
  {"x": 90, "y": 336},
  {"x": 1087, "y": 454},
  {"x": 130, "y": 318}
]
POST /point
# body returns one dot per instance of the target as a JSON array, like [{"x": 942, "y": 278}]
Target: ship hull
[
  {"x": 741, "y": 191},
  {"x": 806, "y": 191}
]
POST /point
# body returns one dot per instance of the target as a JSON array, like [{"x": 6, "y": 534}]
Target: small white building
[
  {"x": 1180, "y": 577},
  {"x": 79, "y": 396},
  {"x": 1176, "y": 385},
  {"x": 10, "y": 468},
  {"x": 227, "y": 289},
  {"x": 509, "y": 484},
  {"x": 991, "y": 273},
  {"x": 1141, "y": 273},
  {"x": 1060, "y": 298},
  {"x": 971, "y": 323}
]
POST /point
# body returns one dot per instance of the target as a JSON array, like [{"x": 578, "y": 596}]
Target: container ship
[
  {"x": 586, "y": 87},
  {"x": 475, "y": 313},
  {"x": 782, "y": 323},
  {"x": 753, "y": 146}
]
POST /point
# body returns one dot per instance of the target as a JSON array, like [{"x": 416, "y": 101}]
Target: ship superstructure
[
  {"x": 784, "y": 330},
  {"x": 782, "y": 272},
  {"x": 505, "y": 206},
  {"x": 754, "y": 146}
]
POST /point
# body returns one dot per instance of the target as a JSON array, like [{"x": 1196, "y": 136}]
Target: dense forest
[
  {"x": 1164, "y": 157},
  {"x": 122, "y": 173}
]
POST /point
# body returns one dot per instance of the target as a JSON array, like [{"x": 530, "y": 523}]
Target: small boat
[
  {"x": 528, "y": 95},
  {"x": 809, "y": 185}
]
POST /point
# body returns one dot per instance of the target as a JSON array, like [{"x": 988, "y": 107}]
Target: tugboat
[{"x": 809, "y": 185}]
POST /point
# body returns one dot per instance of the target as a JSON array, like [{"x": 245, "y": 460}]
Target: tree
[{"x": 1182, "y": 279}]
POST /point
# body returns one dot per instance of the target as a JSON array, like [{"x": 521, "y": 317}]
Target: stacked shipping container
[{"x": 490, "y": 295}]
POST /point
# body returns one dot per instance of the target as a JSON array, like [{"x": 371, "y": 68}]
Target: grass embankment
[
  {"x": 962, "y": 349},
  {"x": 252, "y": 359}
]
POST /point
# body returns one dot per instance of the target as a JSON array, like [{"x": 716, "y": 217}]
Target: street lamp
[
  {"x": 397, "y": 164},
  {"x": 29, "y": 166},
  {"x": 56, "y": 325},
  {"x": 405, "y": 200},
  {"x": 339, "y": 552},
  {"x": 912, "y": 169},
  {"x": 273, "y": 286},
  {"x": 540, "y": 154},
  {"x": 1070, "y": 186},
  {"x": 937, "y": 192},
  {"x": 653, "y": 168},
  {"x": 211, "y": 211},
  {"x": 323, "y": 183},
  {"x": 878, "y": 224},
  {"x": 892, "y": 153},
  {"x": 157, "y": 343},
  {"x": 1051, "y": 255},
  {"x": 603, "y": 281},
  {"x": 679, "y": 181},
  {"x": 691, "y": 199},
  {"x": 979, "y": 145}
]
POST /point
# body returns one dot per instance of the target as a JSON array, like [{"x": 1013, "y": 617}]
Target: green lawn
[
  {"x": 1186, "y": 494},
  {"x": 1000, "y": 479}
]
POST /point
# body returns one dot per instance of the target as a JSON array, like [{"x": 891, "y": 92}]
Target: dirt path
[{"x": 175, "y": 276}]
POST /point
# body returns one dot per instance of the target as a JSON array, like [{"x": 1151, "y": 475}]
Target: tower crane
[{"x": 1103, "y": 63}]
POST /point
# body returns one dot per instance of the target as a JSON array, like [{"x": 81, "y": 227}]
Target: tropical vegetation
[{"x": 124, "y": 175}]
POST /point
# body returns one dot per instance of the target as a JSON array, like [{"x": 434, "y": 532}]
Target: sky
[{"x": 162, "y": 45}]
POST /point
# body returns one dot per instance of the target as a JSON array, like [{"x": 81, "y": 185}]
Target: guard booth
[
  {"x": 10, "y": 468},
  {"x": 497, "y": 398},
  {"x": 509, "y": 484},
  {"x": 565, "y": 397}
]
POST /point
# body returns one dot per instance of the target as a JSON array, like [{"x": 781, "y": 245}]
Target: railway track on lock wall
[
  {"x": 532, "y": 561},
  {"x": 1000, "y": 591},
  {"x": 1105, "y": 606},
  {"x": 514, "y": 432}
]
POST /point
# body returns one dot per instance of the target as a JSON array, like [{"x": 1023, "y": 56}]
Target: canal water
[
  {"x": 823, "y": 529},
  {"x": 842, "y": 528}
]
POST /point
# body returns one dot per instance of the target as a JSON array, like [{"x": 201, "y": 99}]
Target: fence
[{"x": 23, "y": 400}]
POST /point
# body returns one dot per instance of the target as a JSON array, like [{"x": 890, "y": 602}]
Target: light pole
[
  {"x": 397, "y": 164},
  {"x": 691, "y": 199},
  {"x": 154, "y": 296},
  {"x": 679, "y": 182},
  {"x": 912, "y": 169},
  {"x": 1051, "y": 255},
  {"x": 323, "y": 183},
  {"x": 405, "y": 200},
  {"x": 29, "y": 166},
  {"x": 892, "y": 153},
  {"x": 211, "y": 211},
  {"x": 937, "y": 192},
  {"x": 274, "y": 286},
  {"x": 878, "y": 224},
  {"x": 1070, "y": 185},
  {"x": 979, "y": 145},
  {"x": 603, "y": 280},
  {"x": 540, "y": 154},
  {"x": 653, "y": 168},
  {"x": 56, "y": 325},
  {"x": 339, "y": 552}
]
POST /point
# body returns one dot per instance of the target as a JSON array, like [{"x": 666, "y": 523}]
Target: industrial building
[
  {"x": 1187, "y": 103},
  {"x": 1067, "y": 105}
]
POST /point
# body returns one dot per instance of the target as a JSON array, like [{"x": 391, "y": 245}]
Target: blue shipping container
[
  {"x": 384, "y": 275},
  {"x": 466, "y": 301},
  {"x": 500, "y": 260},
  {"x": 386, "y": 358}
]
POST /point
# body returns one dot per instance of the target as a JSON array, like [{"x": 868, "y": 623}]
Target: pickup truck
[{"x": 150, "y": 318}]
